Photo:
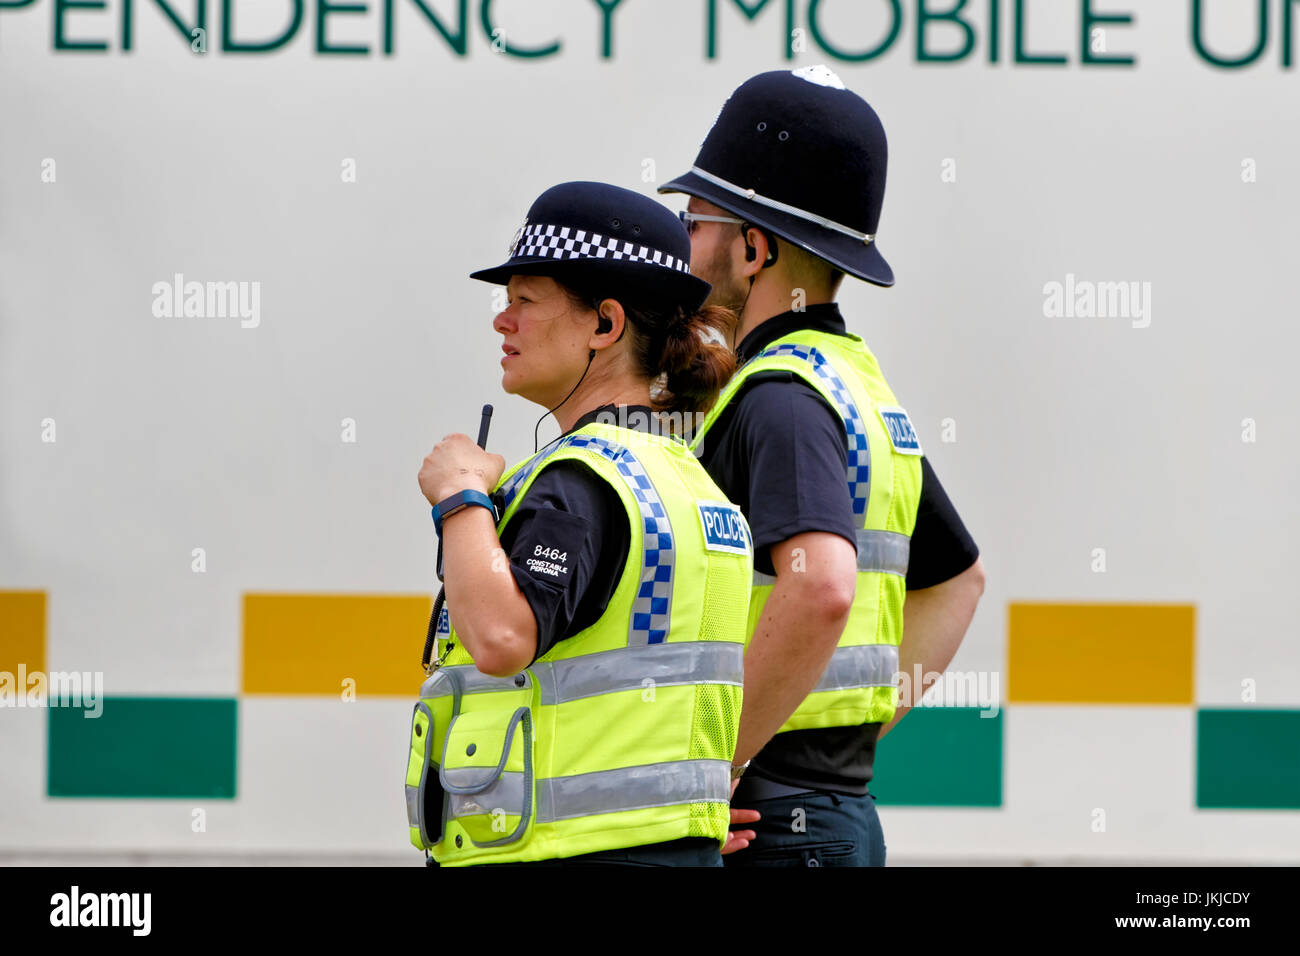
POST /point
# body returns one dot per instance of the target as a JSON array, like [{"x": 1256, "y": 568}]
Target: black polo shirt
[{"x": 779, "y": 452}]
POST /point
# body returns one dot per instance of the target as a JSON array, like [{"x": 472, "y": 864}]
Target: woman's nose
[{"x": 505, "y": 321}]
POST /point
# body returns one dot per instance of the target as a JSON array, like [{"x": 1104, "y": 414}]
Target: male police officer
[{"x": 785, "y": 198}]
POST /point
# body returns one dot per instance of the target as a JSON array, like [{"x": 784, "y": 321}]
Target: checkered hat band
[
  {"x": 564, "y": 242},
  {"x": 652, "y": 607},
  {"x": 855, "y": 430}
]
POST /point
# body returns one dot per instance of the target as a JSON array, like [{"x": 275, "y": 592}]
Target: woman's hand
[{"x": 457, "y": 464}]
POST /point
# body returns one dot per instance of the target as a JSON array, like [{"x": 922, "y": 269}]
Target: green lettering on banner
[
  {"x": 458, "y": 41},
  {"x": 485, "y": 14},
  {"x": 924, "y": 16},
  {"x": 897, "y": 13},
  {"x": 62, "y": 43},
  {"x": 230, "y": 45},
  {"x": 1286, "y": 32},
  {"x": 1086, "y": 19},
  {"x": 607, "y": 8},
  {"x": 750, "y": 12},
  {"x": 995, "y": 30},
  {"x": 323, "y": 8},
  {"x": 200, "y": 21},
  {"x": 1054, "y": 59},
  {"x": 1204, "y": 52}
]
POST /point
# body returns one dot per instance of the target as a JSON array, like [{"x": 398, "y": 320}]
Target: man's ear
[{"x": 760, "y": 249}]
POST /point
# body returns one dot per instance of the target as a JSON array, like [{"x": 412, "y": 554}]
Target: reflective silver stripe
[
  {"x": 783, "y": 207},
  {"x": 886, "y": 552},
  {"x": 505, "y": 793},
  {"x": 624, "y": 668},
  {"x": 413, "y": 808},
  {"x": 633, "y": 788},
  {"x": 415, "y": 795},
  {"x": 472, "y": 681},
  {"x": 866, "y": 665},
  {"x": 605, "y": 791},
  {"x": 630, "y": 668}
]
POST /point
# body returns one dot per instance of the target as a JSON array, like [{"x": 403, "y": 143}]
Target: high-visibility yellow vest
[
  {"x": 884, "y": 481},
  {"x": 622, "y": 734}
]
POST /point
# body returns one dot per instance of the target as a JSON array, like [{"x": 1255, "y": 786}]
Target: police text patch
[
  {"x": 724, "y": 527},
  {"x": 901, "y": 432}
]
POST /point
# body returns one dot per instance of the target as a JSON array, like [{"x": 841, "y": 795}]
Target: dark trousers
[{"x": 818, "y": 828}]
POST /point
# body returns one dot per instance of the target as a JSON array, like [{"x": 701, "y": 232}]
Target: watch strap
[{"x": 448, "y": 506}]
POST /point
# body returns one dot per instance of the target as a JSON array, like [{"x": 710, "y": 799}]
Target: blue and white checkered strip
[
  {"x": 511, "y": 487},
  {"x": 855, "y": 431},
  {"x": 652, "y": 607},
  {"x": 565, "y": 242}
]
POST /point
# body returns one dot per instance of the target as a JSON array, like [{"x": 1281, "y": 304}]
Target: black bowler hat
[
  {"x": 795, "y": 152},
  {"x": 611, "y": 241}
]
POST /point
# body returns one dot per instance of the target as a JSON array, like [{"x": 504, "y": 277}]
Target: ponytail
[{"x": 694, "y": 364}]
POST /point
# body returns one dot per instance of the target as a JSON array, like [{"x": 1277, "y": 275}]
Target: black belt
[{"x": 754, "y": 787}]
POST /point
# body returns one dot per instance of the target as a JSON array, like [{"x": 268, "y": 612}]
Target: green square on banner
[
  {"x": 1246, "y": 759},
  {"x": 145, "y": 747},
  {"x": 941, "y": 757}
]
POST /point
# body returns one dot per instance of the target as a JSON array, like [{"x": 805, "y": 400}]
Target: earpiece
[
  {"x": 604, "y": 325},
  {"x": 751, "y": 253}
]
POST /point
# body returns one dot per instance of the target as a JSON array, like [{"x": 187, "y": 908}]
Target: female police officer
[{"x": 585, "y": 708}]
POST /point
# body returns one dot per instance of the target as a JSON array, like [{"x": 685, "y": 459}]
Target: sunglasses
[{"x": 690, "y": 219}]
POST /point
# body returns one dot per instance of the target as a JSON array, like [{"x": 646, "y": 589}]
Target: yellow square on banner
[
  {"x": 330, "y": 644},
  {"x": 1101, "y": 653},
  {"x": 22, "y": 631}
]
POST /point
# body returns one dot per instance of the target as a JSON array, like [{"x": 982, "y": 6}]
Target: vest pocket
[
  {"x": 487, "y": 772},
  {"x": 425, "y": 797}
]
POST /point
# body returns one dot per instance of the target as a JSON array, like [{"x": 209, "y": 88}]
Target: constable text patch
[
  {"x": 548, "y": 562},
  {"x": 900, "y": 429},
  {"x": 549, "y": 545},
  {"x": 724, "y": 527}
]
